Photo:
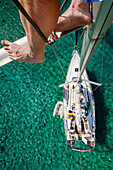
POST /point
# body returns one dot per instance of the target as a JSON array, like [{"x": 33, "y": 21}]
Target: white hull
[{"x": 78, "y": 106}]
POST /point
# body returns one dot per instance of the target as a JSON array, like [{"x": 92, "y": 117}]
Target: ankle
[{"x": 37, "y": 55}]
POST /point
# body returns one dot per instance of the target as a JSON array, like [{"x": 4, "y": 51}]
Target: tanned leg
[
  {"x": 76, "y": 15},
  {"x": 45, "y": 14}
]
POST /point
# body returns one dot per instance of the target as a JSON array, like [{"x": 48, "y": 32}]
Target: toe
[
  {"x": 7, "y": 48},
  {"x": 5, "y": 43},
  {"x": 9, "y": 52},
  {"x": 12, "y": 56}
]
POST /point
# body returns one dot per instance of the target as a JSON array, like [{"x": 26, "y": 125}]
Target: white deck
[
  {"x": 4, "y": 58},
  {"x": 75, "y": 96}
]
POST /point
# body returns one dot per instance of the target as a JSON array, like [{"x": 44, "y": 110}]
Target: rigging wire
[
  {"x": 26, "y": 82},
  {"x": 58, "y": 60},
  {"x": 57, "y": 55},
  {"x": 27, "y": 16},
  {"x": 102, "y": 82},
  {"x": 102, "y": 58},
  {"x": 107, "y": 84},
  {"x": 81, "y": 38},
  {"x": 47, "y": 85},
  {"x": 62, "y": 67},
  {"x": 63, "y": 5},
  {"x": 52, "y": 84},
  {"x": 41, "y": 67},
  {"x": 16, "y": 81}
]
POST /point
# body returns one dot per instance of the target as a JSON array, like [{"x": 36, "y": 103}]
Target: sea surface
[{"x": 30, "y": 137}]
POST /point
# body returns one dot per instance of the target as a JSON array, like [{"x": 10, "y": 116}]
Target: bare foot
[
  {"x": 73, "y": 17},
  {"x": 21, "y": 53}
]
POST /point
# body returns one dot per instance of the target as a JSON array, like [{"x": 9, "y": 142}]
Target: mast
[{"x": 95, "y": 32}]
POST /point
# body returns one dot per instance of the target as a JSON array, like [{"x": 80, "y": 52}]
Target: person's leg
[
  {"x": 76, "y": 15},
  {"x": 45, "y": 14}
]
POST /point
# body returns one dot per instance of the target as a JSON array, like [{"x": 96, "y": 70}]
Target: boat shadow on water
[{"x": 101, "y": 111}]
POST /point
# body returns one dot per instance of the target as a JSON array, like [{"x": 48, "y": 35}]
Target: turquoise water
[{"x": 31, "y": 138}]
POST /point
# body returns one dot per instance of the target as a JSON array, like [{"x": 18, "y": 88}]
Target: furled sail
[{"x": 95, "y": 32}]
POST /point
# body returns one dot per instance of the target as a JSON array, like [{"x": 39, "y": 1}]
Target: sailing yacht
[{"x": 78, "y": 106}]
